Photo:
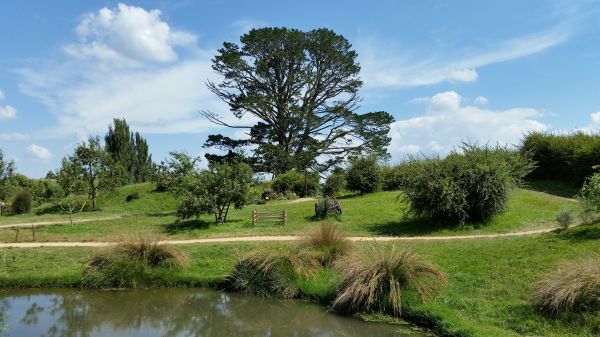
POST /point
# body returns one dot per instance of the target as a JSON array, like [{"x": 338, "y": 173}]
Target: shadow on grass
[
  {"x": 184, "y": 226},
  {"x": 159, "y": 214},
  {"x": 582, "y": 233},
  {"x": 558, "y": 188},
  {"x": 416, "y": 226}
]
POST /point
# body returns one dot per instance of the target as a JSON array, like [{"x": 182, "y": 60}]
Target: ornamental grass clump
[
  {"x": 136, "y": 263},
  {"x": 327, "y": 241},
  {"x": 378, "y": 280},
  {"x": 268, "y": 272},
  {"x": 572, "y": 287}
]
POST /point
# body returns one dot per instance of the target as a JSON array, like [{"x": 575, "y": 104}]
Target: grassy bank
[
  {"x": 377, "y": 214},
  {"x": 488, "y": 292}
]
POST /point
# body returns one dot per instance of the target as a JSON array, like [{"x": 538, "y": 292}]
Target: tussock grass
[
  {"x": 376, "y": 280},
  {"x": 328, "y": 241},
  {"x": 572, "y": 287},
  {"x": 267, "y": 272},
  {"x": 135, "y": 263}
]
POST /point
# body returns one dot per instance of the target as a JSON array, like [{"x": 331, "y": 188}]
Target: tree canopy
[
  {"x": 302, "y": 87},
  {"x": 130, "y": 150}
]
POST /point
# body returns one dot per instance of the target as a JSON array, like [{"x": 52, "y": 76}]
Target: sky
[{"x": 448, "y": 71}]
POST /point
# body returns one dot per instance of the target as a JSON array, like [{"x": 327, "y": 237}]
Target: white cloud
[
  {"x": 383, "y": 67},
  {"x": 13, "y": 137},
  {"x": 2, "y": 96},
  {"x": 39, "y": 152},
  {"x": 595, "y": 117},
  {"x": 245, "y": 25},
  {"x": 481, "y": 100},
  {"x": 447, "y": 122},
  {"x": 7, "y": 112},
  {"x": 127, "y": 35}
]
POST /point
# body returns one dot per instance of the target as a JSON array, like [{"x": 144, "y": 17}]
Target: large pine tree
[{"x": 130, "y": 150}]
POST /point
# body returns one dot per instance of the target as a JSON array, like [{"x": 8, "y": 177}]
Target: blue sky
[{"x": 447, "y": 70}]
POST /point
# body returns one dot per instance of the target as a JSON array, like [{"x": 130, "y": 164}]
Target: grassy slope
[
  {"x": 489, "y": 279},
  {"x": 374, "y": 214}
]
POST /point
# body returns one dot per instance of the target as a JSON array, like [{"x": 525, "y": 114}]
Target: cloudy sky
[{"x": 448, "y": 71}]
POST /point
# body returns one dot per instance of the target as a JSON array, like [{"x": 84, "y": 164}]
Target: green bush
[
  {"x": 391, "y": 178},
  {"x": 299, "y": 183},
  {"x": 589, "y": 195},
  {"x": 364, "y": 175},
  {"x": 335, "y": 183},
  {"x": 471, "y": 184},
  {"x": 22, "y": 202},
  {"x": 564, "y": 218},
  {"x": 565, "y": 157}
]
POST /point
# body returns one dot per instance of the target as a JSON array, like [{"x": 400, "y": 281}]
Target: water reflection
[{"x": 173, "y": 313}]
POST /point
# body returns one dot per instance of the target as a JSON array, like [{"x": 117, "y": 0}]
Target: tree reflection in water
[{"x": 174, "y": 313}]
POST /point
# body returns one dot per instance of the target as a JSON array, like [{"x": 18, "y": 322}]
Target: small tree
[
  {"x": 22, "y": 202},
  {"x": 590, "y": 193},
  {"x": 364, "y": 175},
  {"x": 69, "y": 205},
  {"x": 169, "y": 174},
  {"x": 335, "y": 183},
  {"x": 214, "y": 190}
]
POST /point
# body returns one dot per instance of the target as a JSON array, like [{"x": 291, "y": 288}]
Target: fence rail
[{"x": 269, "y": 216}]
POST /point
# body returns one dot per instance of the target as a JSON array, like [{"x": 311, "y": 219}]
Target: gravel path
[{"x": 282, "y": 238}]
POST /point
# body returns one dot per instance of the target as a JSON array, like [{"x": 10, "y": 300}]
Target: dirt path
[
  {"x": 295, "y": 201},
  {"x": 57, "y": 222},
  {"x": 265, "y": 238}
]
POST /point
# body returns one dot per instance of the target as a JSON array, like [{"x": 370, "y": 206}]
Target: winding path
[
  {"x": 58, "y": 222},
  {"x": 270, "y": 238}
]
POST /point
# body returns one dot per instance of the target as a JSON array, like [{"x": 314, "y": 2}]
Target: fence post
[
  {"x": 33, "y": 232},
  {"x": 285, "y": 216},
  {"x": 254, "y": 219}
]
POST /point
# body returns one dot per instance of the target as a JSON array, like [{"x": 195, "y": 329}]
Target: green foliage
[
  {"x": 327, "y": 206},
  {"x": 391, "y": 178},
  {"x": 472, "y": 184},
  {"x": 129, "y": 150},
  {"x": 7, "y": 169},
  {"x": 214, "y": 190},
  {"x": 565, "y": 157},
  {"x": 302, "y": 184},
  {"x": 590, "y": 194},
  {"x": 272, "y": 273},
  {"x": 564, "y": 218},
  {"x": 364, "y": 175},
  {"x": 572, "y": 287},
  {"x": 335, "y": 183},
  {"x": 132, "y": 264},
  {"x": 378, "y": 280},
  {"x": 169, "y": 174},
  {"x": 22, "y": 202},
  {"x": 303, "y": 89}
]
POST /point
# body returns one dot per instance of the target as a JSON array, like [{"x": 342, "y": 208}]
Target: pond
[{"x": 174, "y": 313}]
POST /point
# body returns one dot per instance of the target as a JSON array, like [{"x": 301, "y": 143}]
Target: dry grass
[
  {"x": 377, "y": 279},
  {"x": 328, "y": 241},
  {"x": 572, "y": 287}
]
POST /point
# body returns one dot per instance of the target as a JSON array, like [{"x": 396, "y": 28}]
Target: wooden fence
[{"x": 280, "y": 218}]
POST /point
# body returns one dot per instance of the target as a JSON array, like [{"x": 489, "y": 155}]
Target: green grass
[
  {"x": 488, "y": 292},
  {"x": 369, "y": 215}
]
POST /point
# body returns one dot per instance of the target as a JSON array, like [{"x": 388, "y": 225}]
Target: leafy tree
[
  {"x": 95, "y": 169},
  {"x": 364, "y": 175},
  {"x": 129, "y": 150},
  {"x": 303, "y": 89},
  {"x": 7, "y": 169},
  {"x": 22, "y": 202},
  {"x": 335, "y": 183},
  {"x": 169, "y": 173},
  {"x": 214, "y": 190}
]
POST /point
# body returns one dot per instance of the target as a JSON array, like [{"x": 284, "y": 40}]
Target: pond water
[{"x": 174, "y": 313}]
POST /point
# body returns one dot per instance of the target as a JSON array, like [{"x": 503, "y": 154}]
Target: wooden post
[
  {"x": 33, "y": 232},
  {"x": 254, "y": 218},
  {"x": 17, "y": 237},
  {"x": 285, "y": 216}
]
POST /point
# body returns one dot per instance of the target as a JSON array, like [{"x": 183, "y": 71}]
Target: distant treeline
[{"x": 569, "y": 158}]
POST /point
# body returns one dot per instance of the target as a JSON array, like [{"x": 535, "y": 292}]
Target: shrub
[
  {"x": 391, "y": 178},
  {"x": 364, "y": 175},
  {"x": 131, "y": 264},
  {"x": 271, "y": 273},
  {"x": 22, "y": 202},
  {"x": 335, "y": 183},
  {"x": 325, "y": 207},
  {"x": 328, "y": 241},
  {"x": 468, "y": 185},
  {"x": 589, "y": 195},
  {"x": 565, "y": 157},
  {"x": 302, "y": 184},
  {"x": 378, "y": 280},
  {"x": 564, "y": 218},
  {"x": 572, "y": 287}
]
